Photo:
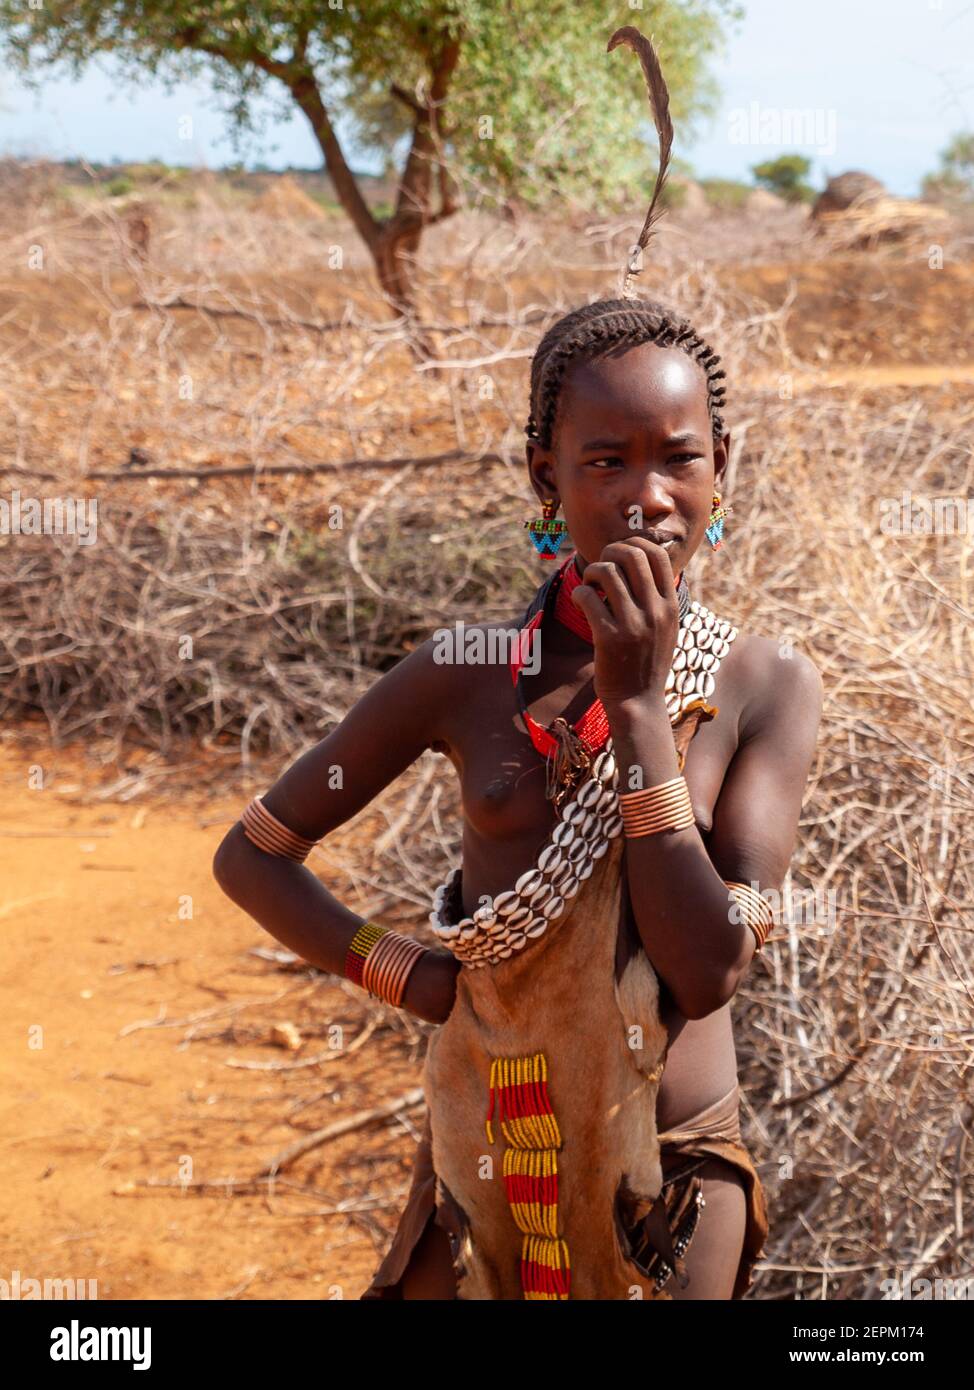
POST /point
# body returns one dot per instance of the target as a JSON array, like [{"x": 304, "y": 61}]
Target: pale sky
[{"x": 883, "y": 85}]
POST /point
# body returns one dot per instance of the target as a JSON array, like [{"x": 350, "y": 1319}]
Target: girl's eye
[{"x": 675, "y": 458}]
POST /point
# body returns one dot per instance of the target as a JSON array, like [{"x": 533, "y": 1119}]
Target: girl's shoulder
[{"x": 777, "y": 680}]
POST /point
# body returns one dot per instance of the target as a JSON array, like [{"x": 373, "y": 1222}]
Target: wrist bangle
[
  {"x": 756, "y": 911},
  {"x": 654, "y": 809},
  {"x": 381, "y": 961},
  {"x": 272, "y": 835}
]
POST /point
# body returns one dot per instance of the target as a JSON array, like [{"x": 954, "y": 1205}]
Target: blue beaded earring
[{"x": 546, "y": 533}]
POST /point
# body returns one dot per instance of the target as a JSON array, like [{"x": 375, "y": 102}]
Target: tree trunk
[
  {"x": 393, "y": 243},
  {"x": 393, "y": 251}
]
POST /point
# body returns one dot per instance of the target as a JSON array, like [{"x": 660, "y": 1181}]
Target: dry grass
[
  {"x": 854, "y": 1034},
  {"x": 875, "y": 222}
]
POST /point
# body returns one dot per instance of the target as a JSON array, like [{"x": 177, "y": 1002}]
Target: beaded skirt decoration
[{"x": 519, "y": 1086}]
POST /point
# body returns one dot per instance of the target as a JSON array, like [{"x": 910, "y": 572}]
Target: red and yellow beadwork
[{"x": 519, "y": 1086}]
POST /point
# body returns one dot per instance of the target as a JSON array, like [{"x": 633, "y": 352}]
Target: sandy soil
[{"x": 140, "y": 1012}]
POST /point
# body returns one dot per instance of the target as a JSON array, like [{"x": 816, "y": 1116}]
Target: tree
[
  {"x": 958, "y": 157},
  {"x": 518, "y": 97},
  {"x": 786, "y": 176},
  {"x": 954, "y": 180}
]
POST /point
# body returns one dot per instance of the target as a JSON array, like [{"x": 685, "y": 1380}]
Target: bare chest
[{"x": 503, "y": 777}]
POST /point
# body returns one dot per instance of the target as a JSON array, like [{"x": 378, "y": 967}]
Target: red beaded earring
[{"x": 546, "y": 533}]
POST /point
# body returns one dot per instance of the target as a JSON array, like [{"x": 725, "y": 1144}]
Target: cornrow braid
[{"x": 586, "y": 332}]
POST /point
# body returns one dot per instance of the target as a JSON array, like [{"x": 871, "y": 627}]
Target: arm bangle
[
  {"x": 272, "y": 836},
  {"x": 381, "y": 961},
  {"x": 664, "y": 807},
  {"x": 756, "y": 911}
]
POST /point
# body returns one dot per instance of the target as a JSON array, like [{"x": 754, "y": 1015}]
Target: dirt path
[{"x": 96, "y": 1096}]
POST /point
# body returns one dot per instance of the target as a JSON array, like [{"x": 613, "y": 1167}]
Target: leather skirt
[{"x": 661, "y": 1241}]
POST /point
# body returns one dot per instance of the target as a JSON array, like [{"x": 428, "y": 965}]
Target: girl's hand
[{"x": 635, "y": 631}]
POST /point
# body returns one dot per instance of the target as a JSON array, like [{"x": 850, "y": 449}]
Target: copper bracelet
[
  {"x": 654, "y": 809},
  {"x": 756, "y": 911},
  {"x": 272, "y": 836},
  {"x": 389, "y": 964}
]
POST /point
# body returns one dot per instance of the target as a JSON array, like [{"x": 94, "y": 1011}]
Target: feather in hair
[{"x": 659, "y": 99}]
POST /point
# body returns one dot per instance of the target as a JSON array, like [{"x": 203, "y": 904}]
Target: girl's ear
[
  {"x": 540, "y": 465},
  {"x": 721, "y": 456}
]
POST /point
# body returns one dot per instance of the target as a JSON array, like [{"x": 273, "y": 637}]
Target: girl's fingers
[
  {"x": 659, "y": 564},
  {"x": 622, "y": 605},
  {"x": 636, "y": 564},
  {"x": 662, "y": 570},
  {"x": 600, "y": 619}
]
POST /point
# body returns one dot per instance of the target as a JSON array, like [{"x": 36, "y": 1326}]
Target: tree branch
[
  {"x": 297, "y": 75},
  {"x": 407, "y": 100}
]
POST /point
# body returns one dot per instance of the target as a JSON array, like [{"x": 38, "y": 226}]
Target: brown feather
[{"x": 659, "y": 99}]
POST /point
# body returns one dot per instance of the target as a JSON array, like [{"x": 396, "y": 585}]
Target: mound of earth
[
  {"x": 845, "y": 190},
  {"x": 884, "y": 220},
  {"x": 692, "y": 200},
  {"x": 763, "y": 201},
  {"x": 286, "y": 201}
]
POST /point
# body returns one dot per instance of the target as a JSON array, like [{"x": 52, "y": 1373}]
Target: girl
[{"x": 626, "y": 808}]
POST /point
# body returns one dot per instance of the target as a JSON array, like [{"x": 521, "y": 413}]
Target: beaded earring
[
  {"x": 546, "y": 533},
  {"x": 715, "y": 526}
]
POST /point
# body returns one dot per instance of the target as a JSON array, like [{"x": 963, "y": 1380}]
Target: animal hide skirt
[
  {"x": 670, "y": 1226},
  {"x": 557, "y": 1054},
  {"x": 541, "y": 1158}
]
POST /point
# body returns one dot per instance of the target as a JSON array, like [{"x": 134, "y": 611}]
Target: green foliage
[
  {"x": 786, "y": 177},
  {"x": 945, "y": 188},
  {"x": 149, "y": 172},
  {"x": 954, "y": 180},
  {"x": 958, "y": 157},
  {"x": 726, "y": 194},
  {"x": 118, "y": 187},
  {"x": 324, "y": 201},
  {"x": 535, "y": 106}
]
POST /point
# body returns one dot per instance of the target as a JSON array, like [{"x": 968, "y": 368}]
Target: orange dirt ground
[{"x": 95, "y": 944}]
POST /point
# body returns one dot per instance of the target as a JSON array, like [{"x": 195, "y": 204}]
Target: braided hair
[{"x": 587, "y": 332}]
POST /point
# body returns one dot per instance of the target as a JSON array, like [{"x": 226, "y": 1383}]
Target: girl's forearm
[
  {"x": 681, "y": 905},
  {"x": 295, "y": 907}
]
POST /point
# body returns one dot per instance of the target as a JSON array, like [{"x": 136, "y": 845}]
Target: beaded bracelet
[
  {"x": 756, "y": 911},
  {"x": 381, "y": 961},
  {"x": 654, "y": 809},
  {"x": 272, "y": 836}
]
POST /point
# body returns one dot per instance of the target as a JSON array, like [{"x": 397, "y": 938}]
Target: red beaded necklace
[
  {"x": 593, "y": 727},
  {"x": 565, "y": 748}
]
